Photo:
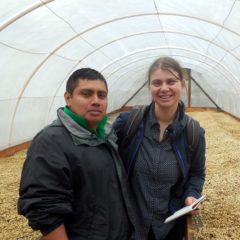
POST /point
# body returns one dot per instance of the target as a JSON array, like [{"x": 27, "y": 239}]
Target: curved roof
[{"x": 43, "y": 41}]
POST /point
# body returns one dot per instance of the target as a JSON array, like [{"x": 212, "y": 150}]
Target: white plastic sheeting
[{"x": 42, "y": 42}]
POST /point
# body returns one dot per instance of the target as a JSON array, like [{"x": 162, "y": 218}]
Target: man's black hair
[{"x": 84, "y": 74}]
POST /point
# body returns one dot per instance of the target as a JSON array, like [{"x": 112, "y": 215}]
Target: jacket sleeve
[
  {"x": 118, "y": 125},
  {"x": 45, "y": 188},
  {"x": 196, "y": 176}
]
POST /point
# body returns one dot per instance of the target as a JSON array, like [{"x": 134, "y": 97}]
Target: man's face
[{"x": 89, "y": 100}]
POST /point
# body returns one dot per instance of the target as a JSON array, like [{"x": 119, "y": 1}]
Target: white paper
[{"x": 185, "y": 210}]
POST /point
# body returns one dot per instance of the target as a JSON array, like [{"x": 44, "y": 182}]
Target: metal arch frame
[
  {"x": 178, "y": 55},
  {"x": 145, "y": 82},
  {"x": 217, "y": 62},
  {"x": 192, "y": 51},
  {"x": 54, "y": 96},
  {"x": 213, "y": 60},
  {"x": 142, "y": 85},
  {"x": 152, "y": 57},
  {"x": 23, "y": 13},
  {"x": 87, "y": 30},
  {"x": 173, "y": 55},
  {"x": 158, "y": 13},
  {"x": 135, "y": 34},
  {"x": 114, "y": 20},
  {"x": 151, "y": 32}
]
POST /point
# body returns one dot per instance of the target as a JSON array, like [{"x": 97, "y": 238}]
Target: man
[{"x": 73, "y": 185}]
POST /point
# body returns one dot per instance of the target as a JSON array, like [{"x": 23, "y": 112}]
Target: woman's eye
[
  {"x": 156, "y": 83},
  {"x": 171, "y": 82}
]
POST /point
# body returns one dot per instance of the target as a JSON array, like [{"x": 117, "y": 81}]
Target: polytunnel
[{"x": 43, "y": 41}]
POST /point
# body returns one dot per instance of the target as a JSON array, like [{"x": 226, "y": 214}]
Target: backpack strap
[
  {"x": 192, "y": 135},
  {"x": 131, "y": 125},
  {"x": 137, "y": 114}
]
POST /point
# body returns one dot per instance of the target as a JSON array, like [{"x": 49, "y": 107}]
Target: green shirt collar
[{"x": 100, "y": 130}]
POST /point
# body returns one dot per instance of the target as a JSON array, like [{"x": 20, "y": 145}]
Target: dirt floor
[
  {"x": 221, "y": 210},
  {"x": 220, "y": 214}
]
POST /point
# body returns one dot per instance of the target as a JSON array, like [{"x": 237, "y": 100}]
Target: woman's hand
[{"x": 189, "y": 201}]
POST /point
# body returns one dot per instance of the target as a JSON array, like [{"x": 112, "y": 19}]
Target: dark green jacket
[{"x": 71, "y": 177}]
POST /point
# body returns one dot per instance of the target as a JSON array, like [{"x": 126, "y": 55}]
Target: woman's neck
[{"x": 165, "y": 115}]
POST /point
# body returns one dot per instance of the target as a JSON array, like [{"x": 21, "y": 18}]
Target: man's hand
[{"x": 57, "y": 234}]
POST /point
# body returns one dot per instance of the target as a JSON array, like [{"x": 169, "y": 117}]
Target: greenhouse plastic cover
[{"x": 43, "y": 42}]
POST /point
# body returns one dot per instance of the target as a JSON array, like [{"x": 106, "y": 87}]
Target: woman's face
[{"x": 166, "y": 88}]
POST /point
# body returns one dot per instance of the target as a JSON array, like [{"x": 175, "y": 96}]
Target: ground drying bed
[{"x": 221, "y": 210}]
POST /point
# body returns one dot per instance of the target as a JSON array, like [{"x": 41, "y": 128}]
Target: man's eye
[
  {"x": 86, "y": 94},
  {"x": 102, "y": 95}
]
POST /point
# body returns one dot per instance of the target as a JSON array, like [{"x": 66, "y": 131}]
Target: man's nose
[{"x": 95, "y": 99}]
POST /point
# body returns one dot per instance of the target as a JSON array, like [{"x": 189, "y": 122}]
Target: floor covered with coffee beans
[{"x": 220, "y": 212}]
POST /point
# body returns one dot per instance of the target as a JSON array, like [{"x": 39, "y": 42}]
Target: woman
[{"x": 162, "y": 175}]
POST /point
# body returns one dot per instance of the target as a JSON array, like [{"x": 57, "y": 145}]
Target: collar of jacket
[
  {"x": 80, "y": 135},
  {"x": 99, "y": 131},
  {"x": 177, "y": 127}
]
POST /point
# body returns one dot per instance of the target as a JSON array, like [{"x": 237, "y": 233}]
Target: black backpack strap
[
  {"x": 192, "y": 135},
  {"x": 132, "y": 123}
]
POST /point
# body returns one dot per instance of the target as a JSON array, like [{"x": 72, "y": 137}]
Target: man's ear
[{"x": 67, "y": 97}]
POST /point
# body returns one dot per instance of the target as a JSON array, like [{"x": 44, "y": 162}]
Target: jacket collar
[
  {"x": 81, "y": 135},
  {"x": 177, "y": 127}
]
